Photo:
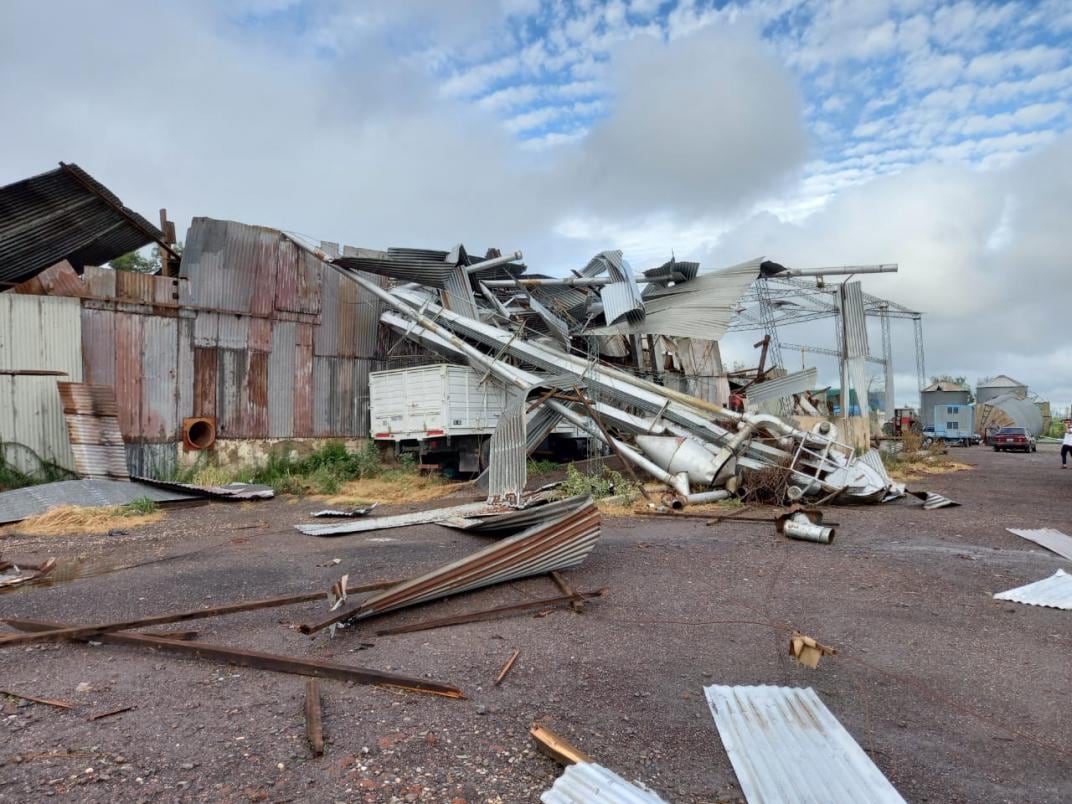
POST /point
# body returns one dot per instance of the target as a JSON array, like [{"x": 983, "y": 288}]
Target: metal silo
[{"x": 999, "y": 386}]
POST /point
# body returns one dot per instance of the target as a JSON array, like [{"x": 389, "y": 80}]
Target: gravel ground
[{"x": 955, "y": 696}]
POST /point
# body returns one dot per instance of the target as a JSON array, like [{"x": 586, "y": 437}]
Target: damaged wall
[{"x": 37, "y": 333}]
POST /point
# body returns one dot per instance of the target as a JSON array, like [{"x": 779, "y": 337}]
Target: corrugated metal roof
[
  {"x": 783, "y": 386},
  {"x": 38, "y": 332},
  {"x": 621, "y": 299},
  {"x": 65, "y": 214},
  {"x": 1001, "y": 381},
  {"x": 786, "y": 746},
  {"x": 1051, "y": 539},
  {"x": 702, "y": 308},
  {"x": 92, "y": 418},
  {"x": 17, "y": 504},
  {"x": 408, "y": 265},
  {"x": 589, "y": 783},
  {"x": 1054, "y": 592},
  {"x": 556, "y": 545}
]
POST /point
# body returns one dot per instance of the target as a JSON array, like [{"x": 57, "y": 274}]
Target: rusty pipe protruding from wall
[
  {"x": 678, "y": 483},
  {"x": 798, "y": 526}
]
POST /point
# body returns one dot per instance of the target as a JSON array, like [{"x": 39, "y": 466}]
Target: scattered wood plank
[
  {"x": 79, "y": 631},
  {"x": 317, "y": 668},
  {"x": 490, "y": 614},
  {"x": 561, "y": 582},
  {"x": 557, "y": 748},
  {"x": 47, "y": 701},
  {"x": 118, "y": 711},
  {"x": 506, "y": 667},
  {"x": 314, "y": 727}
]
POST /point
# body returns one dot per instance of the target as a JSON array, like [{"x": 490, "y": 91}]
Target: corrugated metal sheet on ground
[
  {"x": 92, "y": 418},
  {"x": 38, "y": 332},
  {"x": 702, "y": 308},
  {"x": 231, "y": 491},
  {"x": 589, "y": 783},
  {"x": 18, "y": 504},
  {"x": 515, "y": 520},
  {"x": 1054, "y": 592},
  {"x": 790, "y": 384},
  {"x": 65, "y": 214},
  {"x": 1049, "y": 538},
  {"x": 786, "y": 746},
  {"x": 398, "y": 521},
  {"x": 556, "y": 545}
]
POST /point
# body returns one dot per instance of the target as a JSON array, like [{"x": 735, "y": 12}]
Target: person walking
[{"x": 1066, "y": 445}]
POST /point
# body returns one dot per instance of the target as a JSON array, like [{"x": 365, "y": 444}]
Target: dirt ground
[{"x": 955, "y": 696}]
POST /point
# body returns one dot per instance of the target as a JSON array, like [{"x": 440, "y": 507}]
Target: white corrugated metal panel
[
  {"x": 1054, "y": 592},
  {"x": 1020, "y": 412},
  {"x": 783, "y": 386},
  {"x": 38, "y": 332},
  {"x": 1049, "y": 538},
  {"x": 508, "y": 458},
  {"x": 786, "y": 746},
  {"x": 855, "y": 320},
  {"x": 589, "y": 783},
  {"x": 701, "y": 308}
]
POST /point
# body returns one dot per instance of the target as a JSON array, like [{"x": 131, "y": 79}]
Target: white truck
[{"x": 445, "y": 415}]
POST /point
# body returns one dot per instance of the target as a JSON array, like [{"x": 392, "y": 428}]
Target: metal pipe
[
  {"x": 843, "y": 270},
  {"x": 707, "y": 497},
  {"x": 677, "y": 482},
  {"x": 494, "y": 261},
  {"x": 799, "y": 527}
]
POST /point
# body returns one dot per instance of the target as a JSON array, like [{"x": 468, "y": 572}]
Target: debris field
[{"x": 953, "y": 695}]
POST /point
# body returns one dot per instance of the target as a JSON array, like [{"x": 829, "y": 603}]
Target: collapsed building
[{"x": 251, "y": 338}]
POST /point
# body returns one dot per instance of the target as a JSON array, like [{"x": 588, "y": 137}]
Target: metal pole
[
  {"x": 887, "y": 357},
  {"x": 844, "y": 345}
]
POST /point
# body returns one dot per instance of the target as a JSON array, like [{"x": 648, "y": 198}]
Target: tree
[
  {"x": 136, "y": 263},
  {"x": 140, "y": 264},
  {"x": 961, "y": 381}
]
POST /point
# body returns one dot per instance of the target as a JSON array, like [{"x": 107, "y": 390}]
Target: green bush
[
  {"x": 608, "y": 483},
  {"x": 138, "y": 507},
  {"x": 541, "y": 467}
]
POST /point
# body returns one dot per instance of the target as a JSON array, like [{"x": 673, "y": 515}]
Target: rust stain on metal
[
  {"x": 303, "y": 381},
  {"x": 92, "y": 419},
  {"x": 255, "y": 423},
  {"x": 205, "y": 367},
  {"x": 128, "y": 373}
]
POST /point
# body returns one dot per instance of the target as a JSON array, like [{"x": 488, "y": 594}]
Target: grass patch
[
  {"x": 70, "y": 520},
  {"x": 12, "y": 477},
  {"x": 913, "y": 461},
  {"x": 607, "y": 483},
  {"x": 542, "y": 467}
]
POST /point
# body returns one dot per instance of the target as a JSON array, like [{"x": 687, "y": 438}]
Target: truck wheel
[{"x": 928, "y": 442}]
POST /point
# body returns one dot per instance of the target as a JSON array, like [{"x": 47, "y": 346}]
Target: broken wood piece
[
  {"x": 118, "y": 711},
  {"x": 47, "y": 701},
  {"x": 489, "y": 614},
  {"x": 314, "y": 727},
  {"x": 261, "y": 661},
  {"x": 564, "y": 585},
  {"x": 807, "y": 651},
  {"x": 79, "y": 631},
  {"x": 557, "y": 748},
  {"x": 506, "y": 667}
]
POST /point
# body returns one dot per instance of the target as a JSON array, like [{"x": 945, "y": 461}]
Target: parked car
[{"x": 1013, "y": 438}]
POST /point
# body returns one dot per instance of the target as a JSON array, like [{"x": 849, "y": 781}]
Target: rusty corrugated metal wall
[{"x": 256, "y": 332}]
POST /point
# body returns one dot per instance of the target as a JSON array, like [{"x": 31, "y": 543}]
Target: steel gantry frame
[{"x": 778, "y": 301}]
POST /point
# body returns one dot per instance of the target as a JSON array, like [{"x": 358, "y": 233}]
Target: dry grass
[
  {"x": 638, "y": 506},
  {"x": 394, "y": 487},
  {"x": 71, "y": 520},
  {"x": 930, "y": 465}
]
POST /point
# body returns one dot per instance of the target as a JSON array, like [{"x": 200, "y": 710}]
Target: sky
[{"x": 934, "y": 135}]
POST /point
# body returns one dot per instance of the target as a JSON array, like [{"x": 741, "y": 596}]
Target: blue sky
[{"x": 931, "y": 134}]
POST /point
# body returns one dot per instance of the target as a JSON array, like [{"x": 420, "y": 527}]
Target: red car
[{"x": 1013, "y": 438}]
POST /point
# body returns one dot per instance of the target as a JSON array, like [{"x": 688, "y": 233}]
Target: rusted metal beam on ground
[
  {"x": 47, "y": 701},
  {"x": 314, "y": 726},
  {"x": 506, "y": 667},
  {"x": 564, "y": 585},
  {"x": 118, "y": 711},
  {"x": 79, "y": 631},
  {"x": 182, "y": 636},
  {"x": 316, "y": 668},
  {"x": 490, "y": 614},
  {"x": 557, "y": 748}
]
